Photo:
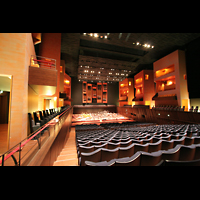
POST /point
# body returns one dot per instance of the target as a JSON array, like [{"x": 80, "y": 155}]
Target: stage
[
  {"x": 99, "y": 118},
  {"x": 93, "y": 108}
]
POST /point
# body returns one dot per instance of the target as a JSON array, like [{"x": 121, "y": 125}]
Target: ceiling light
[
  {"x": 95, "y": 35},
  {"x": 84, "y": 33},
  {"x": 106, "y": 36},
  {"x": 91, "y": 34}
]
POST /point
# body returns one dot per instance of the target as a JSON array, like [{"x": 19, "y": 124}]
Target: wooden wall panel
[
  {"x": 159, "y": 116},
  {"x": 41, "y": 76}
]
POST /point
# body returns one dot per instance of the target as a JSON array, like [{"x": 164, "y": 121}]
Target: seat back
[
  {"x": 150, "y": 159},
  {"x": 187, "y": 153},
  {"x": 94, "y": 156},
  {"x": 109, "y": 154},
  {"x": 126, "y": 151}
]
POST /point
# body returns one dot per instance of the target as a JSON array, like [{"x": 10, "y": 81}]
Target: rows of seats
[
  {"x": 105, "y": 145},
  {"x": 87, "y": 127},
  {"x": 192, "y": 109},
  {"x": 180, "y": 155},
  {"x": 44, "y": 117},
  {"x": 169, "y": 107}
]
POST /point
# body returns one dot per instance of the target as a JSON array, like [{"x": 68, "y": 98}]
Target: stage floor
[{"x": 99, "y": 118}]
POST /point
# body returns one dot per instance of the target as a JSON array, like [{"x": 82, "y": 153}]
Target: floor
[
  {"x": 68, "y": 155},
  {"x": 3, "y": 137}
]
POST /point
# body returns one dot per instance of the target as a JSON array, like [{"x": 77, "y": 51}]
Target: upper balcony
[{"x": 43, "y": 73}]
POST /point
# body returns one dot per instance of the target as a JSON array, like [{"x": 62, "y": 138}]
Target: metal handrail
[
  {"x": 43, "y": 62},
  {"x": 18, "y": 147}
]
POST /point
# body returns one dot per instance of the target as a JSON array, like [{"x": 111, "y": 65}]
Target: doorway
[{"x": 5, "y": 94}]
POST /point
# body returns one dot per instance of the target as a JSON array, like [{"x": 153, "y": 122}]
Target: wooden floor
[
  {"x": 3, "y": 137},
  {"x": 68, "y": 155}
]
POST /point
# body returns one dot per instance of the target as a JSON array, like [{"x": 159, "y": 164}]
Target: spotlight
[
  {"x": 106, "y": 36},
  {"x": 137, "y": 43}
]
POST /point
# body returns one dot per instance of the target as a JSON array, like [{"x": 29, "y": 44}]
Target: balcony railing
[
  {"x": 43, "y": 62},
  {"x": 23, "y": 152}
]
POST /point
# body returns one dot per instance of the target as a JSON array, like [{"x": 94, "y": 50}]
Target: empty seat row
[
  {"x": 87, "y": 153},
  {"x": 181, "y": 153},
  {"x": 44, "y": 116}
]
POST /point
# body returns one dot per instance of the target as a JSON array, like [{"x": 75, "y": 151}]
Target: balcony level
[{"x": 43, "y": 75}]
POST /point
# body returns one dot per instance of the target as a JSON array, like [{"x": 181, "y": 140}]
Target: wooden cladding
[
  {"x": 141, "y": 114},
  {"x": 40, "y": 76}
]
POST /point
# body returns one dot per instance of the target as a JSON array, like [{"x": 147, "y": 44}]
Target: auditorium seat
[
  {"x": 109, "y": 154},
  {"x": 171, "y": 154},
  {"x": 103, "y": 163},
  {"x": 150, "y": 159},
  {"x": 181, "y": 163},
  {"x": 94, "y": 156},
  {"x": 141, "y": 147},
  {"x": 187, "y": 153},
  {"x": 129, "y": 161},
  {"x": 167, "y": 144},
  {"x": 126, "y": 151},
  {"x": 155, "y": 146}
]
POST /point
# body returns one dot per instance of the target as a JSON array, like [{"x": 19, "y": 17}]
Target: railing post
[
  {"x": 2, "y": 164},
  {"x": 19, "y": 153}
]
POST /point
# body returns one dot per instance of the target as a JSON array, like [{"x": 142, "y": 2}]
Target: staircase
[{"x": 68, "y": 155}]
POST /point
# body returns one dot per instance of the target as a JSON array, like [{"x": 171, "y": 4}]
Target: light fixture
[
  {"x": 137, "y": 43},
  {"x": 95, "y": 35},
  {"x": 84, "y": 33},
  {"x": 91, "y": 34},
  {"x": 106, "y": 36},
  {"x": 1, "y": 91}
]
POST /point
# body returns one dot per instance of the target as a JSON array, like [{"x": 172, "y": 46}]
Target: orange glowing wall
[
  {"x": 50, "y": 47},
  {"x": 177, "y": 64},
  {"x": 144, "y": 87},
  {"x": 15, "y": 52}
]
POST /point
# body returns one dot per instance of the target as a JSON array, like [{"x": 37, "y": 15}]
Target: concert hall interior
[{"x": 99, "y": 99}]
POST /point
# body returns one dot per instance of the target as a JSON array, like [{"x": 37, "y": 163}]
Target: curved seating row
[
  {"x": 180, "y": 154},
  {"x": 107, "y": 153},
  {"x": 106, "y": 145}
]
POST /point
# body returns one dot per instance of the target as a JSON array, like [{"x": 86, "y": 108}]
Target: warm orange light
[
  {"x": 60, "y": 69},
  {"x": 129, "y": 83},
  {"x": 67, "y": 82},
  {"x": 138, "y": 80},
  {"x": 169, "y": 82},
  {"x": 146, "y": 76},
  {"x": 122, "y": 85}
]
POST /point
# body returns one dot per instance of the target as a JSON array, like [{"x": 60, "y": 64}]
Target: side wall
[{"x": 15, "y": 52}]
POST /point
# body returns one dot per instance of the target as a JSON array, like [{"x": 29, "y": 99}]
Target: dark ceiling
[{"x": 119, "y": 51}]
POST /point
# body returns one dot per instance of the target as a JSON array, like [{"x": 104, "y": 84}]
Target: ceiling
[{"x": 115, "y": 56}]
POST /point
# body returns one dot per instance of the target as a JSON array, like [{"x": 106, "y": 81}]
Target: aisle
[{"x": 68, "y": 155}]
